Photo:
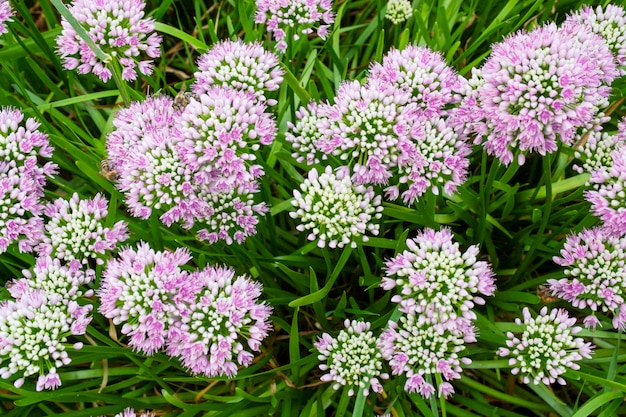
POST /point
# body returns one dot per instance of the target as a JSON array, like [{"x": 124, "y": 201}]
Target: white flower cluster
[{"x": 399, "y": 11}]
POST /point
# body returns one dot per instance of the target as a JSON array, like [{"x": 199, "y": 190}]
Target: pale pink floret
[
  {"x": 607, "y": 193},
  {"x": 6, "y": 11}
]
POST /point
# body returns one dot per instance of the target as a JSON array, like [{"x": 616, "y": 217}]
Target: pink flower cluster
[
  {"x": 5, "y": 15},
  {"x": 394, "y": 131},
  {"x": 119, "y": 29},
  {"x": 210, "y": 319}
]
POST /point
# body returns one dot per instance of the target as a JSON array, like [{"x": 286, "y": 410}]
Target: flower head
[
  {"x": 118, "y": 29},
  {"x": 140, "y": 289},
  {"x": 418, "y": 349},
  {"x": 34, "y": 331},
  {"x": 5, "y": 15},
  {"x": 306, "y": 132},
  {"x": 438, "y": 281},
  {"x": 597, "y": 151},
  {"x": 594, "y": 265},
  {"x": 129, "y": 412},
  {"x": 352, "y": 359},
  {"x": 242, "y": 66},
  {"x": 540, "y": 88},
  {"x": 220, "y": 328},
  {"x": 398, "y": 11},
  {"x": 75, "y": 231},
  {"x": 294, "y": 18},
  {"x": 334, "y": 210},
  {"x": 607, "y": 198},
  {"x": 546, "y": 347},
  {"x": 610, "y": 23}
]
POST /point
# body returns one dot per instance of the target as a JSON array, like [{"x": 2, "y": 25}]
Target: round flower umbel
[
  {"x": 419, "y": 349},
  {"x": 541, "y": 88},
  {"x": 434, "y": 159},
  {"x": 597, "y": 152},
  {"x": 334, "y": 210},
  {"x": 609, "y": 23},
  {"x": 243, "y": 66},
  {"x": 140, "y": 290},
  {"x": 399, "y": 11},
  {"x": 607, "y": 195},
  {"x": 594, "y": 265},
  {"x": 438, "y": 281},
  {"x": 34, "y": 333},
  {"x": 433, "y": 84},
  {"x": 221, "y": 131},
  {"x": 218, "y": 331},
  {"x": 305, "y": 134},
  {"x": 118, "y": 29},
  {"x": 546, "y": 347},
  {"x": 152, "y": 118},
  {"x": 291, "y": 19},
  {"x": 5, "y": 15},
  {"x": 129, "y": 412},
  {"x": 75, "y": 232},
  {"x": 352, "y": 359},
  {"x": 365, "y": 127}
]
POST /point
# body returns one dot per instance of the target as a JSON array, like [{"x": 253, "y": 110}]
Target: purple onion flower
[
  {"x": 597, "y": 152},
  {"x": 129, "y": 412},
  {"x": 75, "y": 231},
  {"x": 546, "y": 347},
  {"x": 334, "y": 210},
  {"x": 595, "y": 276},
  {"x": 118, "y": 29},
  {"x": 417, "y": 348},
  {"x": 218, "y": 331},
  {"x": 140, "y": 290},
  {"x": 438, "y": 281},
  {"x": 238, "y": 65},
  {"x": 305, "y": 134},
  {"x": 609, "y": 23},
  {"x": 291, "y": 19},
  {"x": 352, "y": 359},
  {"x": 540, "y": 88},
  {"x": 34, "y": 332},
  {"x": 607, "y": 196},
  {"x": 398, "y": 11},
  {"x": 5, "y": 15}
]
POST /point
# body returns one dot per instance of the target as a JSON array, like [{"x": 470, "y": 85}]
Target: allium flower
[
  {"x": 22, "y": 179},
  {"x": 238, "y": 65},
  {"x": 5, "y": 15},
  {"x": 607, "y": 197},
  {"x": 290, "y": 19},
  {"x": 212, "y": 334},
  {"x": 152, "y": 118},
  {"x": 438, "y": 281},
  {"x": 34, "y": 331},
  {"x": 352, "y": 359},
  {"x": 546, "y": 347},
  {"x": 422, "y": 72},
  {"x": 118, "y": 29},
  {"x": 305, "y": 133},
  {"x": 367, "y": 124},
  {"x": 542, "y": 87},
  {"x": 52, "y": 278},
  {"x": 75, "y": 231},
  {"x": 414, "y": 346},
  {"x": 596, "y": 153},
  {"x": 399, "y": 11},
  {"x": 334, "y": 210},
  {"x": 220, "y": 133},
  {"x": 129, "y": 412},
  {"x": 594, "y": 265},
  {"x": 140, "y": 289},
  {"x": 609, "y": 23}
]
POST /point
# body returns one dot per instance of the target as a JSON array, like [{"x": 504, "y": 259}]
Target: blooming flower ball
[
  {"x": 33, "y": 333},
  {"x": 242, "y": 66},
  {"x": 607, "y": 196},
  {"x": 305, "y": 133},
  {"x": 540, "y": 88},
  {"x": 118, "y": 29},
  {"x": 140, "y": 289},
  {"x": 75, "y": 231},
  {"x": 5, "y": 15},
  {"x": 218, "y": 331},
  {"x": 610, "y": 23},
  {"x": 597, "y": 152},
  {"x": 422, "y": 72},
  {"x": 436, "y": 280},
  {"x": 418, "y": 349},
  {"x": 352, "y": 359},
  {"x": 290, "y": 19},
  {"x": 546, "y": 347},
  {"x": 129, "y": 412},
  {"x": 334, "y": 210},
  {"x": 399, "y": 11},
  {"x": 594, "y": 265}
]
